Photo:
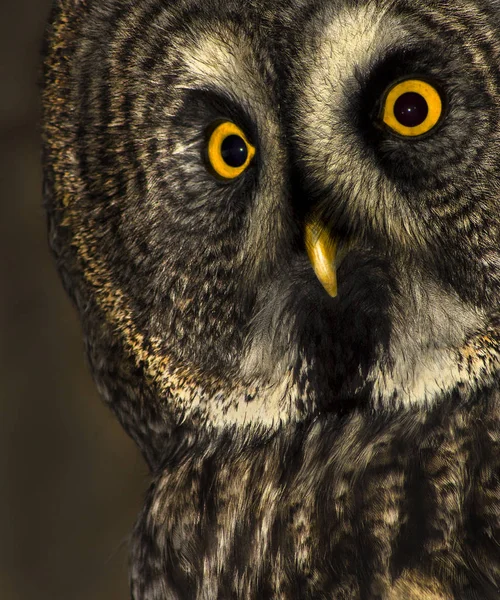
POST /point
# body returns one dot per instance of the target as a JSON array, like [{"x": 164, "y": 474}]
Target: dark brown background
[{"x": 71, "y": 482}]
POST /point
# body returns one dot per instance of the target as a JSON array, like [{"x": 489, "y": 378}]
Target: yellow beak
[{"x": 322, "y": 251}]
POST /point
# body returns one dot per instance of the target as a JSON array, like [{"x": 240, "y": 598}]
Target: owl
[{"x": 279, "y": 223}]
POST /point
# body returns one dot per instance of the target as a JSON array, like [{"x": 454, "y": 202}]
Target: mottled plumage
[{"x": 301, "y": 446}]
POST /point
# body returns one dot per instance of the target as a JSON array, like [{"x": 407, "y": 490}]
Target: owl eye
[
  {"x": 229, "y": 151},
  {"x": 412, "y": 107}
]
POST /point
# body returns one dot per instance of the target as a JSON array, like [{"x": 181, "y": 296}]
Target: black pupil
[
  {"x": 234, "y": 151},
  {"x": 411, "y": 109}
]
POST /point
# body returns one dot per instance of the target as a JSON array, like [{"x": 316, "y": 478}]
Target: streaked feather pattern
[{"x": 301, "y": 446}]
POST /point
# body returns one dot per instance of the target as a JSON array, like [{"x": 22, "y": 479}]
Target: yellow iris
[
  {"x": 412, "y": 107},
  {"x": 229, "y": 151}
]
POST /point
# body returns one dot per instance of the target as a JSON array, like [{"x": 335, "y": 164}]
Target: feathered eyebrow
[
  {"x": 225, "y": 64},
  {"x": 212, "y": 104},
  {"x": 399, "y": 61}
]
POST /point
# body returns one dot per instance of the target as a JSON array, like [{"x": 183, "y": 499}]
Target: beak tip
[{"x": 331, "y": 290}]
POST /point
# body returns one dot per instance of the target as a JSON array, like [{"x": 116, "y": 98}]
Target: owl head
[{"x": 265, "y": 212}]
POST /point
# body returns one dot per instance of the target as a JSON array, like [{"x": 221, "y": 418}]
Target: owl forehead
[
  {"x": 345, "y": 39},
  {"x": 347, "y": 45},
  {"x": 225, "y": 59}
]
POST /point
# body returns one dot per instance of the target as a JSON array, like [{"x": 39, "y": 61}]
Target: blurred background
[{"x": 71, "y": 482}]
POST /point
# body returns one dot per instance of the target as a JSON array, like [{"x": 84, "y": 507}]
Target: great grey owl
[{"x": 279, "y": 222}]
